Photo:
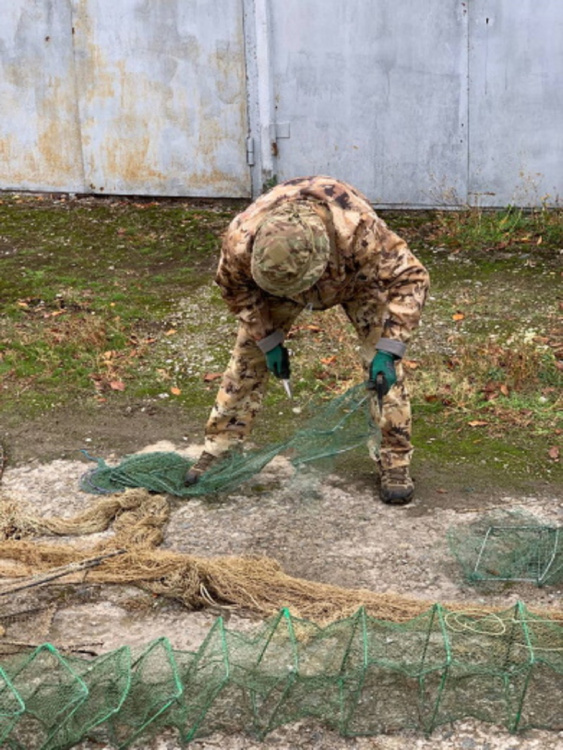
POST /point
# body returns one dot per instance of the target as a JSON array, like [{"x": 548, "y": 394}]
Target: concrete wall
[
  {"x": 434, "y": 103},
  {"x": 123, "y": 96},
  {"x": 515, "y": 102}
]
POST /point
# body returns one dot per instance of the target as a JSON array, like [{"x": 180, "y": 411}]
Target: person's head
[{"x": 290, "y": 251}]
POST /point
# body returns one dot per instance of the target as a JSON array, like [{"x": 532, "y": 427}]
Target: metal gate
[
  {"x": 361, "y": 92},
  {"x": 515, "y": 150},
  {"x": 123, "y": 96},
  {"x": 440, "y": 103}
]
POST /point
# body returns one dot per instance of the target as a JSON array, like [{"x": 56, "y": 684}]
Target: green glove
[
  {"x": 383, "y": 363},
  {"x": 277, "y": 360}
]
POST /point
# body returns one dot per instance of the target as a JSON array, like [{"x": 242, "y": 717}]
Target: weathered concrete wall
[
  {"x": 124, "y": 96},
  {"x": 441, "y": 102},
  {"x": 516, "y": 102},
  {"x": 376, "y": 93}
]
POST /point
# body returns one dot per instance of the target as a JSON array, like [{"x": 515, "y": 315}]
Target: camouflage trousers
[{"x": 244, "y": 381}]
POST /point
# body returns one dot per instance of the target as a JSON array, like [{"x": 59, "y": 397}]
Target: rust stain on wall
[
  {"x": 131, "y": 162},
  {"x": 58, "y": 137}
]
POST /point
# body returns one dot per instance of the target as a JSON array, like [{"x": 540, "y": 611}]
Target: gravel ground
[{"x": 322, "y": 529}]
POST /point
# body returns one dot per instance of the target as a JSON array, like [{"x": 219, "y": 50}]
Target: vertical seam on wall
[
  {"x": 265, "y": 85},
  {"x": 77, "y": 94},
  {"x": 468, "y": 105},
  {"x": 251, "y": 78}
]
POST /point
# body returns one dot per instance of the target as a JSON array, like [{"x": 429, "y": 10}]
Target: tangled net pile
[{"x": 342, "y": 425}]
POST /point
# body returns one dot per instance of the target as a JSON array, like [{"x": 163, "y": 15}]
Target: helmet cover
[{"x": 290, "y": 251}]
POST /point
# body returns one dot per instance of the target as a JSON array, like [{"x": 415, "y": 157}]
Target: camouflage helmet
[{"x": 290, "y": 251}]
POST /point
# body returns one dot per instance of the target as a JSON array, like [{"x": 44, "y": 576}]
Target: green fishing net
[
  {"x": 357, "y": 676},
  {"x": 509, "y": 547},
  {"x": 341, "y": 425}
]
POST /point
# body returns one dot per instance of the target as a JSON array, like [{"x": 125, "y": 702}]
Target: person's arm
[{"x": 406, "y": 282}]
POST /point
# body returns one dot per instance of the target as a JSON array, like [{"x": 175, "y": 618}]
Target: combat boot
[
  {"x": 396, "y": 486},
  {"x": 204, "y": 462}
]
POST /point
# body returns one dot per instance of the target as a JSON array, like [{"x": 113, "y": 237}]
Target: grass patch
[
  {"x": 511, "y": 228},
  {"x": 86, "y": 290},
  {"x": 107, "y": 302}
]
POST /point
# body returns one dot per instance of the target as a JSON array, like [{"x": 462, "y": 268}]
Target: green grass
[
  {"x": 498, "y": 230},
  {"x": 106, "y": 302}
]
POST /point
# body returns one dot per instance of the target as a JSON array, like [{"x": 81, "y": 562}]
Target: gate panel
[
  {"x": 39, "y": 128},
  {"x": 516, "y": 102},
  {"x": 163, "y": 96},
  {"x": 374, "y": 93}
]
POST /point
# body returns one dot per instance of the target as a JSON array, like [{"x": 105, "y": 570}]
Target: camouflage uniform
[{"x": 370, "y": 272}]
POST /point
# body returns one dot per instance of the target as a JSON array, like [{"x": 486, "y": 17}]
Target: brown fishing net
[{"x": 137, "y": 519}]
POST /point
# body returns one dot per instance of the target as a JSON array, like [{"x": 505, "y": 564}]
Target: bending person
[{"x": 316, "y": 242}]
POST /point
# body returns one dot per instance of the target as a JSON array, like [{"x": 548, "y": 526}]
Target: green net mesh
[
  {"x": 358, "y": 676},
  {"x": 509, "y": 547},
  {"x": 342, "y": 425}
]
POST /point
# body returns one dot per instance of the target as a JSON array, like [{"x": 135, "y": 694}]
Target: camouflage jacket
[{"x": 366, "y": 258}]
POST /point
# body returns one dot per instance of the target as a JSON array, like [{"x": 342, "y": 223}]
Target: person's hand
[
  {"x": 382, "y": 364},
  {"x": 277, "y": 360}
]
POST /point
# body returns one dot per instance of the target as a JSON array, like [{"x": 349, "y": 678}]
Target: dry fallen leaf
[
  {"x": 410, "y": 364},
  {"x": 458, "y": 316},
  {"x": 477, "y": 423},
  {"x": 209, "y": 376},
  {"x": 175, "y": 391},
  {"x": 328, "y": 360},
  {"x": 117, "y": 385},
  {"x": 553, "y": 453},
  {"x": 171, "y": 332}
]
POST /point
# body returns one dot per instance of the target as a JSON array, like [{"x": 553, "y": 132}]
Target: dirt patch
[{"x": 65, "y": 431}]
